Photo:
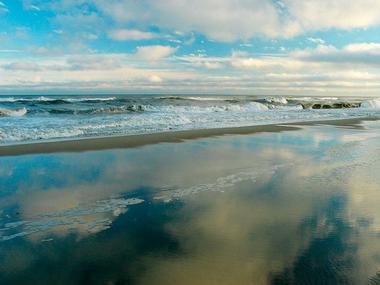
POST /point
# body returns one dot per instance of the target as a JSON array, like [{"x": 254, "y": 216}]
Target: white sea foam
[
  {"x": 371, "y": 104},
  {"x": 288, "y": 107},
  {"x": 7, "y": 99},
  {"x": 52, "y": 99},
  {"x": 89, "y": 99},
  {"x": 279, "y": 100},
  {"x": 307, "y": 99},
  {"x": 220, "y": 185},
  {"x": 13, "y": 112},
  {"x": 327, "y": 98},
  {"x": 72, "y": 217},
  {"x": 205, "y": 98}
]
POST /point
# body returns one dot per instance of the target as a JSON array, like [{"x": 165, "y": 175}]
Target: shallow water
[{"x": 294, "y": 207}]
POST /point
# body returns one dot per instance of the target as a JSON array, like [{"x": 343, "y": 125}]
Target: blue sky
[{"x": 180, "y": 46}]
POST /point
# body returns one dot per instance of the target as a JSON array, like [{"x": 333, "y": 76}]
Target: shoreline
[{"x": 131, "y": 141}]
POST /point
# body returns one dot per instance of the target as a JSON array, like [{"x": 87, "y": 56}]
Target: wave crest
[
  {"x": 12, "y": 112},
  {"x": 371, "y": 104}
]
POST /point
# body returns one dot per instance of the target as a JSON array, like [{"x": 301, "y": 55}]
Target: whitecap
[
  {"x": 371, "y": 104},
  {"x": 278, "y": 100},
  {"x": 13, "y": 112}
]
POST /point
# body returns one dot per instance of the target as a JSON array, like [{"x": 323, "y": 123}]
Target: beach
[
  {"x": 160, "y": 142},
  {"x": 291, "y": 203}
]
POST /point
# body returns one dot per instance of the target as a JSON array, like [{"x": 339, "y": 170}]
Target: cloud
[
  {"x": 340, "y": 14},
  {"x": 28, "y": 5},
  {"x": 153, "y": 53},
  {"x": 127, "y": 35},
  {"x": 352, "y": 69},
  {"x": 367, "y": 54},
  {"x": 155, "y": 79},
  {"x": 3, "y": 8},
  {"x": 316, "y": 41},
  {"x": 230, "y": 20},
  {"x": 220, "y": 20}
]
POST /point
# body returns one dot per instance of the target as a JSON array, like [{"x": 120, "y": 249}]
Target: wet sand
[{"x": 269, "y": 208}]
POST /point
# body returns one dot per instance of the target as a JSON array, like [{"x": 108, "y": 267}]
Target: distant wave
[
  {"x": 278, "y": 100},
  {"x": 90, "y": 99},
  {"x": 52, "y": 100},
  {"x": 12, "y": 112},
  {"x": 198, "y": 98},
  {"x": 103, "y": 110}
]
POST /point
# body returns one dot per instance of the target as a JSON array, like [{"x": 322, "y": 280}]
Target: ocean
[{"x": 41, "y": 118}]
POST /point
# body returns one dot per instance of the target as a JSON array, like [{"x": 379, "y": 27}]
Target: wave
[
  {"x": 12, "y": 112},
  {"x": 91, "y": 99},
  {"x": 277, "y": 100},
  {"x": 287, "y": 107},
  {"x": 314, "y": 98},
  {"x": 189, "y": 98},
  {"x": 8, "y": 99},
  {"x": 330, "y": 105},
  {"x": 371, "y": 104},
  {"x": 52, "y": 100},
  {"x": 251, "y": 107},
  {"x": 139, "y": 108},
  {"x": 108, "y": 110}
]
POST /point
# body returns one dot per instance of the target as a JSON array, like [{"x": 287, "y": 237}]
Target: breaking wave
[
  {"x": 52, "y": 100},
  {"x": 55, "y": 117},
  {"x": 371, "y": 104},
  {"x": 277, "y": 100},
  {"x": 12, "y": 112}
]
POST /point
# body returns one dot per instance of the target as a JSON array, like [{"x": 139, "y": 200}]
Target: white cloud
[
  {"x": 316, "y": 41},
  {"x": 31, "y": 7},
  {"x": 353, "y": 69},
  {"x": 340, "y": 14},
  {"x": 155, "y": 79},
  {"x": 229, "y": 20},
  {"x": 91, "y": 37},
  {"x": 371, "y": 48},
  {"x": 367, "y": 54},
  {"x": 153, "y": 53},
  {"x": 126, "y": 35},
  {"x": 3, "y": 8},
  {"x": 221, "y": 20}
]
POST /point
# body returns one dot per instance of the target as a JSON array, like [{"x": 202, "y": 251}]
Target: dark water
[{"x": 297, "y": 207}]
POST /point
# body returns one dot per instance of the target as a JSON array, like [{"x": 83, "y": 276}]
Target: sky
[{"x": 257, "y": 47}]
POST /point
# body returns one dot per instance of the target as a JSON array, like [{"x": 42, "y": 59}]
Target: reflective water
[{"x": 297, "y": 207}]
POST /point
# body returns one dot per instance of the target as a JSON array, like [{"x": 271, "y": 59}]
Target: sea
[{"x": 40, "y": 118}]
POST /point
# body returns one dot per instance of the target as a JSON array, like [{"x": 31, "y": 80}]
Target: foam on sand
[
  {"x": 220, "y": 185},
  {"x": 83, "y": 216}
]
